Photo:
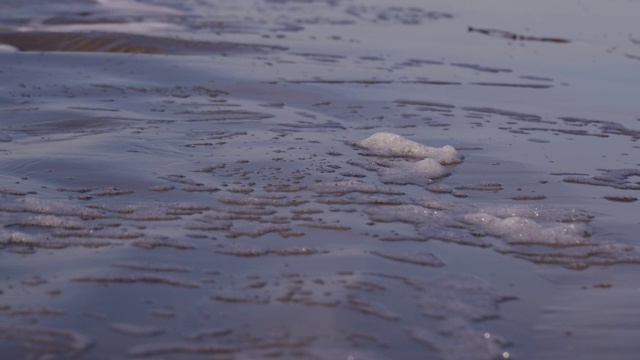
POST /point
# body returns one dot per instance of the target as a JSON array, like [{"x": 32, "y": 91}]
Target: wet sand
[{"x": 200, "y": 181}]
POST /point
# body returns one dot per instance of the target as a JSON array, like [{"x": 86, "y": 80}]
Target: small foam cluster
[
  {"x": 393, "y": 145},
  {"x": 408, "y": 171},
  {"x": 517, "y": 230},
  {"x": 540, "y": 234}
]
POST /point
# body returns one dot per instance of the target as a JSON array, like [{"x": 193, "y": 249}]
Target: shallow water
[{"x": 193, "y": 181}]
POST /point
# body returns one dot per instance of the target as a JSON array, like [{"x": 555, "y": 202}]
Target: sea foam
[
  {"x": 410, "y": 163},
  {"x": 420, "y": 173},
  {"x": 393, "y": 145}
]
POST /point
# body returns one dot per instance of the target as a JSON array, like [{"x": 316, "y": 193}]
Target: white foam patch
[
  {"x": 558, "y": 230},
  {"x": 412, "y": 214},
  {"x": 420, "y": 173},
  {"x": 522, "y": 230},
  {"x": 540, "y": 213},
  {"x": 393, "y": 145}
]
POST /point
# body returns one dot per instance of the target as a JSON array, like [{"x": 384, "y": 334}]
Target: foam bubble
[
  {"x": 541, "y": 213},
  {"x": 393, "y": 145},
  {"x": 558, "y": 230},
  {"x": 527, "y": 231},
  {"x": 419, "y": 173},
  {"x": 412, "y": 214}
]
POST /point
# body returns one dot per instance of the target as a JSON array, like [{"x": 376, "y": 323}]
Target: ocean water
[{"x": 301, "y": 179}]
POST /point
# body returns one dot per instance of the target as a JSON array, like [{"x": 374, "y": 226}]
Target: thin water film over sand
[{"x": 330, "y": 179}]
